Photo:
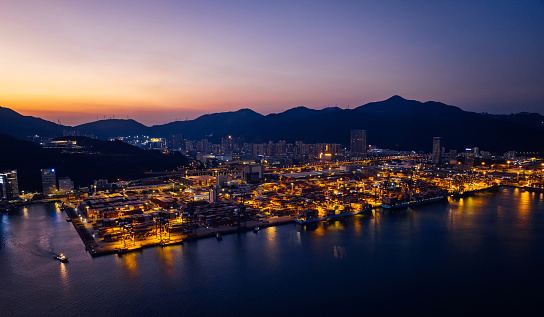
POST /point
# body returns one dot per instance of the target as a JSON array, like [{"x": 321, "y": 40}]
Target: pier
[
  {"x": 101, "y": 248},
  {"x": 121, "y": 246}
]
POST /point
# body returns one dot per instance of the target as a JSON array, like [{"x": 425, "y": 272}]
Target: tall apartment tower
[
  {"x": 177, "y": 142},
  {"x": 49, "y": 181},
  {"x": 358, "y": 143},
  {"x": 65, "y": 185},
  {"x": 437, "y": 149},
  {"x": 9, "y": 185}
]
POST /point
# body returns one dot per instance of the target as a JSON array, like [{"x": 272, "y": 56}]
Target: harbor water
[{"x": 475, "y": 255}]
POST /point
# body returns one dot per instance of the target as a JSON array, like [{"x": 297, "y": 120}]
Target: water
[{"x": 476, "y": 255}]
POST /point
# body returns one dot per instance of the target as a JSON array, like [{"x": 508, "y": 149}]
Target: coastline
[{"x": 101, "y": 248}]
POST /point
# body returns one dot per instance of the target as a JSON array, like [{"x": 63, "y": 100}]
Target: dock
[{"x": 102, "y": 248}]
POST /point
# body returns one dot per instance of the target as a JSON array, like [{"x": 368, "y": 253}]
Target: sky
[{"x": 165, "y": 60}]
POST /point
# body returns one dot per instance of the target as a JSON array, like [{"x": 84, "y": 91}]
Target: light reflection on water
[
  {"x": 338, "y": 225},
  {"x": 357, "y": 227},
  {"x": 130, "y": 263},
  {"x": 524, "y": 205},
  {"x": 64, "y": 274},
  {"x": 464, "y": 234},
  {"x": 272, "y": 247},
  {"x": 375, "y": 226},
  {"x": 475, "y": 250},
  {"x": 166, "y": 260}
]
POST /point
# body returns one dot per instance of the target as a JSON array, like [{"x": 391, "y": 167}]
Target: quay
[
  {"x": 101, "y": 248},
  {"x": 84, "y": 234},
  {"x": 13, "y": 206},
  {"x": 196, "y": 207},
  {"x": 105, "y": 248},
  {"x": 475, "y": 191}
]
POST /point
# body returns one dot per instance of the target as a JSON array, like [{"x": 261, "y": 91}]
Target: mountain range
[{"x": 395, "y": 123}]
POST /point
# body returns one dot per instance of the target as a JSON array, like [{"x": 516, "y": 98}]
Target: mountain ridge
[{"x": 395, "y": 123}]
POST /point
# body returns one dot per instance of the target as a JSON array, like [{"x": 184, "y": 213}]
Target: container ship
[
  {"x": 405, "y": 204},
  {"x": 538, "y": 188},
  {"x": 312, "y": 215}
]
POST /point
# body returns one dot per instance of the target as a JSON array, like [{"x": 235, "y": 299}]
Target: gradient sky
[{"x": 157, "y": 61}]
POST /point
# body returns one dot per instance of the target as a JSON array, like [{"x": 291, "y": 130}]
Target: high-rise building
[
  {"x": 486, "y": 154},
  {"x": 49, "y": 181},
  {"x": 221, "y": 180},
  {"x": 227, "y": 144},
  {"x": 358, "y": 146},
  {"x": 437, "y": 149},
  {"x": 203, "y": 146},
  {"x": 510, "y": 155},
  {"x": 9, "y": 185},
  {"x": 252, "y": 173},
  {"x": 65, "y": 185},
  {"x": 177, "y": 142}
]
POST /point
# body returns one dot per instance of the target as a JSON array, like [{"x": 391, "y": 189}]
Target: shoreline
[{"x": 103, "y": 248}]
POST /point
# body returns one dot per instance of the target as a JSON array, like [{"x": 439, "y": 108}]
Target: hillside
[
  {"x": 110, "y": 128},
  {"x": 395, "y": 123},
  {"x": 108, "y": 160},
  {"x": 209, "y": 125},
  {"x": 23, "y": 127}
]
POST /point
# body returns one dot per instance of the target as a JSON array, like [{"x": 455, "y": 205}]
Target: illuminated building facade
[
  {"x": 177, "y": 142},
  {"x": 49, "y": 181},
  {"x": 9, "y": 185},
  {"x": 358, "y": 146},
  {"x": 437, "y": 149},
  {"x": 253, "y": 173},
  {"x": 65, "y": 185}
]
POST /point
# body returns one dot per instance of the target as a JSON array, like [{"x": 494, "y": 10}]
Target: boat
[
  {"x": 467, "y": 193},
  {"x": 218, "y": 236},
  {"x": 538, "y": 188},
  {"x": 413, "y": 202},
  {"x": 306, "y": 219},
  {"x": 61, "y": 257},
  {"x": 129, "y": 248},
  {"x": 68, "y": 219},
  {"x": 256, "y": 229}
]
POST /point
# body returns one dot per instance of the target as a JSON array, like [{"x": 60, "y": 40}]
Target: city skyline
[{"x": 76, "y": 62}]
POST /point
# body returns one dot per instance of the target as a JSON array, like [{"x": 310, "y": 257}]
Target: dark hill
[
  {"x": 292, "y": 125},
  {"x": 533, "y": 120},
  {"x": 109, "y": 160},
  {"x": 104, "y": 147},
  {"x": 216, "y": 124},
  {"x": 23, "y": 127},
  {"x": 110, "y": 128},
  {"x": 397, "y": 123},
  {"x": 302, "y": 112}
]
